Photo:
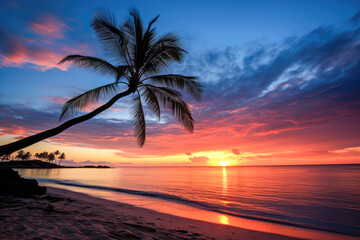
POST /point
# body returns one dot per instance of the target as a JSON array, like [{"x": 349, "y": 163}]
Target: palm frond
[
  {"x": 188, "y": 84},
  {"x": 152, "y": 22},
  {"x": 148, "y": 41},
  {"x": 79, "y": 102},
  {"x": 136, "y": 38},
  {"x": 164, "y": 51},
  {"x": 139, "y": 123},
  {"x": 109, "y": 33},
  {"x": 152, "y": 101},
  {"x": 97, "y": 65},
  {"x": 122, "y": 70},
  {"x": 171, "y": 99}
]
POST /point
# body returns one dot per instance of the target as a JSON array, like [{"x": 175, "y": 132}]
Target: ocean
[{"x": 325, "y": 197}]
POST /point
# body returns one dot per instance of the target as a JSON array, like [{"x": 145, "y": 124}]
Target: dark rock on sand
[{"x": 11, "y": 183}]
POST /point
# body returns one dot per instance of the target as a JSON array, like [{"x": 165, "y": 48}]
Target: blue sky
[{"x": 202, "y": 25}]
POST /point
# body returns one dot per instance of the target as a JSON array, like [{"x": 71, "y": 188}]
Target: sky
[{"x": 281, "y": 82}]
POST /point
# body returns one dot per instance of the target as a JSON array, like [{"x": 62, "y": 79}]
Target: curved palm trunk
[{"x": 25, "y": 142}]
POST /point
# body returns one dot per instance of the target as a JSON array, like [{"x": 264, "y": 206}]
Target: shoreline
[
  {"x": 182, "y": 210},
  {"x": 62, "y": 214},
  {"x": 171, "y": 206},
  {"x": 106, "y": 216}
]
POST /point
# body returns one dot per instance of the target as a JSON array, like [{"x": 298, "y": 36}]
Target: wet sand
[{"x": 63, "y": 214}]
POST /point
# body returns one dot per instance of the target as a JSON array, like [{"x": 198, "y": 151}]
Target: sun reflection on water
[
  {"x": 223, "y": 219},
  {"x": 224, "y": 182}
]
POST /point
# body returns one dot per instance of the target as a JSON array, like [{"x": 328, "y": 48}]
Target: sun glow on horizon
[{"x": 224, "y": 163}]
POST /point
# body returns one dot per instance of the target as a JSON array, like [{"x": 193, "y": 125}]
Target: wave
[{"x": 255, "y": 215}]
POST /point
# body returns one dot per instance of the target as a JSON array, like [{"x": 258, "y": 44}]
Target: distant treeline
[{"x": 45, "y": 156}]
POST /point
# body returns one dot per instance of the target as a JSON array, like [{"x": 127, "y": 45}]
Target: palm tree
[
  {"x": 20, "y": 155},
  {"x": 141, "y": 59},
  {"x": 44, "y": 155},
  {"x": 51, "y": 157},
  {"x": 27, "y": 156},
  {"x": 6, "y": 157},
  {"x": 62, "y": 157},
  {"x": 41, "y": 156},
  {"x": 56, "y": 153}
]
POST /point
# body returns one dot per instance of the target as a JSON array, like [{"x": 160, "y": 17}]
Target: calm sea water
[{"x": 318, "y": 197}]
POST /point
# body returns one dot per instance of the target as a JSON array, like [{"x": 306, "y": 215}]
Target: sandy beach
[{"x": 62, "y": 214}]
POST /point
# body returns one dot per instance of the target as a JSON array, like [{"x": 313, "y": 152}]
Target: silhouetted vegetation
[
  {"x": 5, "y": 157},
  {"x": 28, "y": 164},
  {"x": 44, "y": 160},
  {"x": 23, "y": 156},
  {"x": 62, "y": 157},
  {"x": 44, "y": 156},
  {"x": 98, "y": 166},
  {"x": 142, "y": 59}
]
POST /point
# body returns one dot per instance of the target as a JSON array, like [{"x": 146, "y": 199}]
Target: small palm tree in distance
[{"x": 61, "y": 157}]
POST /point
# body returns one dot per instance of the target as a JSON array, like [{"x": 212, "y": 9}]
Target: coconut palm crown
[
  {"x": 140, "y": 60},
  {"x": 141, "y": 57}
]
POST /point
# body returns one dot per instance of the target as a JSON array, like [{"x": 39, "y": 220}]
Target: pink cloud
[
  {"x": 277, "y": 131},
  {"x": 92, "y": 106},
  {"x": 346, "y": 150},
  {"x": 40, "y": 51},
  {"x": 39, "y": 58},
  {"x": 59, "y": 100},
  {"x": 50, "y": 26},
  {"x": 201, "y": 159},
  {"x": 236, "y": 151},
  {"x": 14, "y": 130}
]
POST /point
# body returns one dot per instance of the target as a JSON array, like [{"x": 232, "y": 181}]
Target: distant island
[
  {"x": 44, "y": 159},
  {"x": 93, "y": 166},
  {"x": 40, "y": 164}
]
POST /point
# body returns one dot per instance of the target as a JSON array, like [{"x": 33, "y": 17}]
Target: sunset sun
[{"x": 224, "y": 163}]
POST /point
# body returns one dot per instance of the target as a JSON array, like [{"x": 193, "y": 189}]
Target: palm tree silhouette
[
  {"x": 62, "y": 157},
  {"x": 20, "y": 155},
  {"x": 56, "y": 153},
  {"x": 141, "y": 61}
]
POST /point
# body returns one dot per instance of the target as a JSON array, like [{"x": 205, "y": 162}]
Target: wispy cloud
[
  {"x": 199, "y": 160},
  {"x": 43, "y": 50},
  {"x": 50, "y": 26},
  {"x": 58, "y": 100},
  {"x": 87, "y": 162},
  {"x": 235, "y": 151},
  {"x": 347, "y": 150}
]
